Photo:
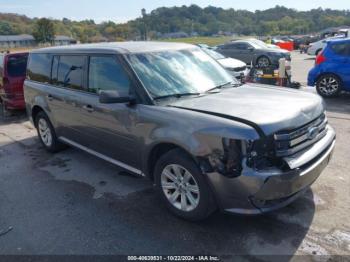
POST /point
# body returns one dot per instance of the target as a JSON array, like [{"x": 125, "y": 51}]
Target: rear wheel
[
  {"x": 47, "y": 134},
  {"x": 328, "y": 85},
  {"x": 183, "y": 187},
  {"x": 263, "y": 62}
]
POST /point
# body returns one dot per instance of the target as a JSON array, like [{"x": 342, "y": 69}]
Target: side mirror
[
  {"x": 113, "y": 97},
  {"x": 250, "y": 48}
]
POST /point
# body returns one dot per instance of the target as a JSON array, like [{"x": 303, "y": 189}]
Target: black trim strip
[{"x": 244, "y": 121}]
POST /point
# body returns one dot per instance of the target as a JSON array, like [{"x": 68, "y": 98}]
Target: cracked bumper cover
[{"x": 257, "y": 192}]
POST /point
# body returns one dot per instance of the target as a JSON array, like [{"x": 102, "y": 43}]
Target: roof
[
  {"x": 63, "y": 38},
  {"x": 338, "y": 40},
  {"x": 6, "y": 38},
  {"x": 116, "y": 47}
]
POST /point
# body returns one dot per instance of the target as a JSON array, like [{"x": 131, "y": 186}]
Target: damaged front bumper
[{"x": 256, "y": 192}]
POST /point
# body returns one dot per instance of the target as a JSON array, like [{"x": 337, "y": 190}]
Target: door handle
[{"x": 88, "y": 108}]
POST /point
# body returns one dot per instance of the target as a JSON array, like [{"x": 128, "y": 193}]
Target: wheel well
[
  {"x": 35, "y": 111},
  {"x": 156, "y": 153}
]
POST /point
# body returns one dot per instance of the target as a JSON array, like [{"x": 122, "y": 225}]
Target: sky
[{"x": 122, "y": 11}]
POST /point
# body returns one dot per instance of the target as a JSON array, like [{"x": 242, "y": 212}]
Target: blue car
[{"x": 331, "y": 73}]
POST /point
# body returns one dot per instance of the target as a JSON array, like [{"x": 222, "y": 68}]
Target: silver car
[
  {"x": 235, "y": 67},
  {"x": 171, "y": 113}
]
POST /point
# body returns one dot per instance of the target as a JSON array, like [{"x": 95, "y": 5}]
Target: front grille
[{"x": 290, "y": 142}]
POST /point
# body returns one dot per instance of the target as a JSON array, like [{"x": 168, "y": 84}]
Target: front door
[{"x": 109, "y": 129}]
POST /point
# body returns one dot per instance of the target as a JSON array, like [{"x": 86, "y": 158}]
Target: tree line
[{"x": 189, "y": 19}]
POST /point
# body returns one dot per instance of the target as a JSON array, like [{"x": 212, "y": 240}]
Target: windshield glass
[
  {"x": 17, "y": 65},
  {"x": 213, "y": 54},
  {"x": 258, "y": 44},
  {"x": 178, "y": 72}
]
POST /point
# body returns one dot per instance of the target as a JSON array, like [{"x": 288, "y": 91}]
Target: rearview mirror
[{"x": 113, "y": 97}]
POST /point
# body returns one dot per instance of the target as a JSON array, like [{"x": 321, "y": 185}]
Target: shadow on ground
[
  {"x": 53, "y": 216},
  {"x": 340, "y": 104}
]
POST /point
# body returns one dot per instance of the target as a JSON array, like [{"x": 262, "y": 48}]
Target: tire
[
  {"x": 263, "y": 62},
  {"x": 197, "y": 207},
  {"x": 328, "y": 85},
  {"x": 47, "y": 134}
]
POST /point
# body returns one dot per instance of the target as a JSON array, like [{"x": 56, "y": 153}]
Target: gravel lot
[{"x": 74, "y": 203}]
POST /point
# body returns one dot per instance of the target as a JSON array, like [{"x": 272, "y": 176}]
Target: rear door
[
  {"x": 245, "y": 52},
  {"x": 110, "y": 128},
  {"x": 68, "y": 82},
  {"x": 341, "y": 61},
  {"x": 229, "y": 50}
]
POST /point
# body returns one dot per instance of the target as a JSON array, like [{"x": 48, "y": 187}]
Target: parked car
[
  {"x": 263, "y": 44},
  {"x": 331, "y": 73},
  {"x": 12, "y": 75},
  {"x": 252, "y": 52},
  {"x": 316, "y": 47},
  {"x": 170, "y": 112},
  {"x": 236, "y": 67}
]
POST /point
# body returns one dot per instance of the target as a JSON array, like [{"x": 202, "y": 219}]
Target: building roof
[
  {"x": 63, "y": 38},
  {"x": 116, "y": 47},
  {"x": 6, "y": 38}
]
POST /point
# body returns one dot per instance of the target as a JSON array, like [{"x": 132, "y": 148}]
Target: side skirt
[{"x": 99, "y": 155}]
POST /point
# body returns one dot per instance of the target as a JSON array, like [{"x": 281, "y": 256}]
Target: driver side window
[{"x": 106, "y": 73}]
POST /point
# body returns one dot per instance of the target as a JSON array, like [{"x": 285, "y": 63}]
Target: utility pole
[{"x": 144, "y": 18}]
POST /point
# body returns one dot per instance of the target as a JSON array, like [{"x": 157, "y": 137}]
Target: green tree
[{"x": 44, "y": 31}]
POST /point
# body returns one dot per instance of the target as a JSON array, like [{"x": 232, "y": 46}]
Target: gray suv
[{"x": 170, "y": 112}]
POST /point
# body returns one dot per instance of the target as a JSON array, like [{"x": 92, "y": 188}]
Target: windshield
[
  {"x": 258, "y": 44},
  {"x": 178, "y": 72},
  {"x": 213, "y": 54},
  {"x": 17, "y": 65}
]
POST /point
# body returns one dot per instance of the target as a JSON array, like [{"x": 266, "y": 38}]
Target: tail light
[{"x": 320, "y": 58}]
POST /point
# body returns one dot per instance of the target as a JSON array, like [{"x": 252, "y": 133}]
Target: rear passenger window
[
  {"x": 106, "y": 73},
  {"x": 17, "y": 65},
  {"x": 39, "y": 68},
  {"x": 71, "y": 72},
  {"x": 341, "y": 49}
]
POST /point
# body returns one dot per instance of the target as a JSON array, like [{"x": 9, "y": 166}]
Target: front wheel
[
  {"x": 183, "y": 187},
  {"x": 328, "y": 85}
]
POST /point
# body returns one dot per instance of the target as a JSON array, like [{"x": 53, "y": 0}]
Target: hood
[
  {"x": 267, "y": 109},
  {"x": 231, "y": 63}
]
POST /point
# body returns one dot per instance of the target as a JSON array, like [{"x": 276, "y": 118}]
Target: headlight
[{"x": 260, "y": 154}]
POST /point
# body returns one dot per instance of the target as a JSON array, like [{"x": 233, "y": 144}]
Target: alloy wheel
[
  {"x": 263, "y": 62},
  {"x": 45, "y": 132},
  {"x": 328, "y": 85},
  {"x": 180, "y": 187}
]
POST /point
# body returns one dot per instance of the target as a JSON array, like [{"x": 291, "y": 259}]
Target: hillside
[{"x": 192, "y": 20}]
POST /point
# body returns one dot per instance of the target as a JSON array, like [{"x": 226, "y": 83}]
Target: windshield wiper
[
  {"x": 176, "y": 95},
  {"x": 220, "y": 86}
]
